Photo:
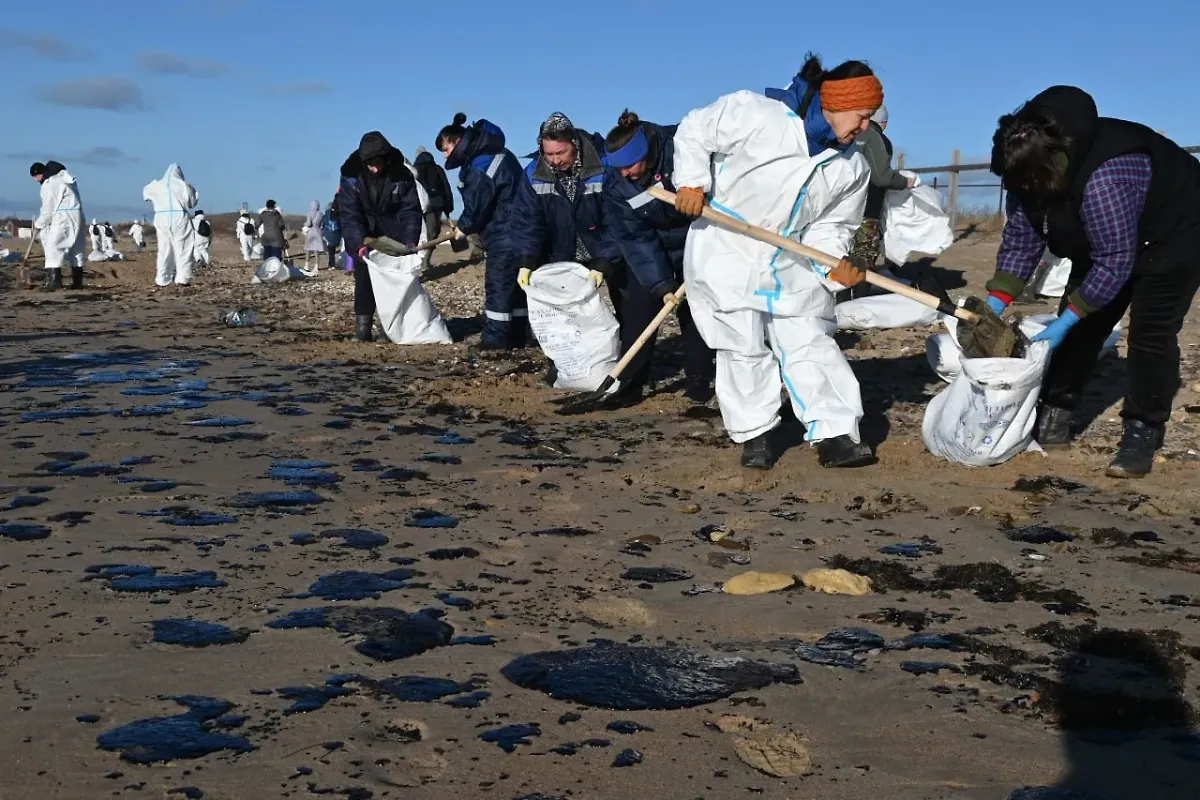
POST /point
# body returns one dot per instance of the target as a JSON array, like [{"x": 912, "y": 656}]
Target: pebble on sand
[{"x": 836, "y": 581}]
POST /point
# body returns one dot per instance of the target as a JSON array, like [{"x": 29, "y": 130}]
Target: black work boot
[
  {"x": 1135, "y": 455},
  {"x": 758, "y": 453},
  {"x": 842, "y": 451},
  {"x": 1053, "y": 429},
  {"x": 364, "y": 328},
  {"x": 53, "y": 280},
  {"x": 76, "y": 277}
]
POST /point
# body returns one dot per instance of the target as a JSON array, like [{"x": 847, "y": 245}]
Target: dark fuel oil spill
[
  {"x": 1039, "y": 534},
  {"x": 426, "y": 518},
  {"x": 195, "y": 633},
  {"x": 402, "y": 474},
  {"x": 388, "y": 634},
  {"x": 628, "y": 758},
  {"x": 301, "y": 463},
  {"x": 656, "y": 574},
  {"x": 630, "y": 678},
  {"x": 927, "y": 667},
  {"x": 357, "y": 585},
  {"x": 508, "y": 737},
  {"x": 471, "y": 700},
  {"x": 301, "y": 476},
  {"x": 26, "y": 501},
  {"x": 142, "y": 578},
  {"x": 991, "y": 582},
  {"x": 192, "y": 734},
  {"x": 357, "y": 539},
  {"x": 439, "y": 458},
  {"x": 184, "y": 517},
  {"x": 628, "y": 727},
  {"x": 24, "y": 531},
  {"x": 219, "y": 422},
  {"x": 420, "y": 689},
  {"x": 452, "y": 553},
  {"x": 453, "y": 438},
  {"x": 272, "y": 500},
  {"x": 311, "y": 698}
]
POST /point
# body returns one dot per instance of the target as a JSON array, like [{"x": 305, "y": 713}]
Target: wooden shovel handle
[
  {"x": 651, "y": 329},
  {"x": 792, "y": 246}
]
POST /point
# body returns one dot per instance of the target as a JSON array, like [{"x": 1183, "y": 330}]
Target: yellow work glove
[
  {"x": 596, "y": 277},
  {"x": 847, "y": 273},
  {"x": 689, "y": 200},
  {"x": 523, "y": 276}
]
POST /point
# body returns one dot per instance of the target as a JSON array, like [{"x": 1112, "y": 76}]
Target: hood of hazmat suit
[
  {"x": 61, "y": 217},
  {"x": 751, "y": 155}
]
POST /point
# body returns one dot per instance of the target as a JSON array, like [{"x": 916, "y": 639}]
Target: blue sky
[{"x": 260, "y": 99}]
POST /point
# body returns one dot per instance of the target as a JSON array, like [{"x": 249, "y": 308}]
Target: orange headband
[{"x": 852, "y": 94}]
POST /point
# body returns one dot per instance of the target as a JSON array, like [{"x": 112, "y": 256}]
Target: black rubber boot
[
  {"x": 76, "y": 277},
  {"x": 758, "y": 453},
  {"x": 1053, "y": 431},
  {"x": 842, "y": 451},
  {"x": 364, "y": 325},
  {"x": 1135, "y": 456},
  {"x": 53, "y": 280}
]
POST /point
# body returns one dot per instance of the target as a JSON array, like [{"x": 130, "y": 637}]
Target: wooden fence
[{"x": 956, "y": 168}]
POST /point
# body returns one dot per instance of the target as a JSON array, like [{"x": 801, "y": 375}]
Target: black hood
[
  {"x": 372, "y": 145},
  {"x": 423, "y": 158},
  {"x": 53, "y": 168},
  {"x": 1075, "y": 113}
]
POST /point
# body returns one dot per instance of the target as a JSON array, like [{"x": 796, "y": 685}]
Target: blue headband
[{"x": 634, "y": 150}]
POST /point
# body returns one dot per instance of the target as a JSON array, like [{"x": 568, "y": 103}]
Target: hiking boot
[
  {"x": 364, "y": 325},
  {"x": 842, "y": 451},
  {"x": 76, "y": 277},
  {"x": 758, "y": 453},
  {"x": 1135, "y": 455},
  {"x": 1053, "y": 431},
  {"x": 53, "y": 280}
]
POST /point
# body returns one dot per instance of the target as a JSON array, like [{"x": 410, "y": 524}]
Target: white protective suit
[
  {"x": 203, "y": 258},
  {"x": 106, "y": 241},
  {"x": 173, "y": 197},
  {"x": 246, "y": 240},
  {"x": 94, "y": 235},
  {"x": 61, "y": 221},
  {"x": 750, "y": 154},
  {"x": 137, "y": 235}
]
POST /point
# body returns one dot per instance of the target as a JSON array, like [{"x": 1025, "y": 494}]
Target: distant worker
[
  {"x": 314, "y": 244},
  {"x": 331, "y": 231},
  {"x": 60, "y": 222},
  {"x": 273, "y": 231},
  {"x": 172, "y": 197},
  {"x": 203, "y": 239},
  {"x": 441, "y": 197},
  {"x": 137, "y": 235},
  {"x": 94, "y": 235},
  {"x": 245, "y": 235},
  {"x": 108, "y": 237}
]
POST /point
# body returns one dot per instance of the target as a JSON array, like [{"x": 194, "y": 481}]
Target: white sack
[
  {"x": 914, "y": 222},
  {"x": 257, "y": 250},
  {"x": 573, "y": 325},
  {"x": 105, "y": 255},
  {"x": 988, "y": 412},
  {"x": 406, "y": 312},
  {"x": 271, "y": 271},
  {"x": 1051, "y": 278},
  {"x": 883, "y": 311},
  {"x": 946, "y": 359}
]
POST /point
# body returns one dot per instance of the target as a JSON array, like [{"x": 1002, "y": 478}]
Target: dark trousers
[
  {"x": 272, "y": 252},
  {"x": 1158, "y": 297},
  {"x": 433, "y": 224},
  {"x": 364, "y": 295},
  {"x": 506, "y": 311},
  {"x": 636, "y": 308},
  {"x": 332, "y": 251}
]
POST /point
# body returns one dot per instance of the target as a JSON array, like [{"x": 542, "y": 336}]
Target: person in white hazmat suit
[
  {"x": 94, "y": 236},
  {"x": 172, "y": 197},
  {"x": 137, "y": 235},
  {"x": 60, "y": 223},
  {"x": 203, "y": 239},
  {"x": 784, "y": 162},
  {"x": 245, "y": 235}
]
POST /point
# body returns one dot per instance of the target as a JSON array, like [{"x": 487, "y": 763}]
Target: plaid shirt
[{"x": 1111, "y": 210}]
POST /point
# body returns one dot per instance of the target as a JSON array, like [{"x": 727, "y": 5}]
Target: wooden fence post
[{"x": 955, "y": 160}]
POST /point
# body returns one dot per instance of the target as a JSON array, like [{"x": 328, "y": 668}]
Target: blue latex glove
[
  {"x": 1056, "y": 331},
  {"x": 996, "y": 304}
]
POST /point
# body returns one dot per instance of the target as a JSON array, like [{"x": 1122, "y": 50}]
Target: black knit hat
[{"x": 37, "y": 168}]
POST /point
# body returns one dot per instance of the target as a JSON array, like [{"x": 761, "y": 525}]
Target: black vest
[{"x": 1172, "y": 204}]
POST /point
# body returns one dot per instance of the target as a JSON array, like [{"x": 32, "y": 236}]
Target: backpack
[
  {"x": 204, "y": 229},
  {"x": 108, "y": 231},
  {"x": 331, "y": 229},
  {"x": 248, "y": 228},
  {"x": 95, "y": 230}
]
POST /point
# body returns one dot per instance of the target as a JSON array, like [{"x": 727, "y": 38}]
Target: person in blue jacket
[
  {"x": 377, "y": 197},
  {"x": 490, "y": 180},
  {"x": 650, "y": 236}
]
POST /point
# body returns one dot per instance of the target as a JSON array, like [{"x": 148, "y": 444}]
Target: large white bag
[
  {"x": 273, "y": 270},
  {"x": 1051, "y": 277},
  {"x": 883, "y": 311},
  {"x": 946, "y": 359},
  {"x": 406, "y": 312},
  {"x": 988, "y": 412},
  {"x": 573, "y": 326},
  {"x": 914, "y": 222}
]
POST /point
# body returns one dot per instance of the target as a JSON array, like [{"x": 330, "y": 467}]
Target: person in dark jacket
[
  {"x": 1123, "y": 203},
  {"x": 877, "y": 148},
  {"x": 331, "y": 231},
  {"x": 490, "y": 179},
  {"x": 650, "y": 237},
  {"x": 377, "y": 197},
  {"x": 441, "y": 197},
  {"x": 274, "y": 231}
]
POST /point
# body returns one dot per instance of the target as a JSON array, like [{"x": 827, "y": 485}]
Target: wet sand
[{"x": 138, "y": 430}]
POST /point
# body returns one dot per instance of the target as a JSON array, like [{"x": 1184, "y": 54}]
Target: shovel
[
  {"x": 390, "y": 247},
  {"x": 586, "y": 401},
  {"x": 23, "y": 279}
]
